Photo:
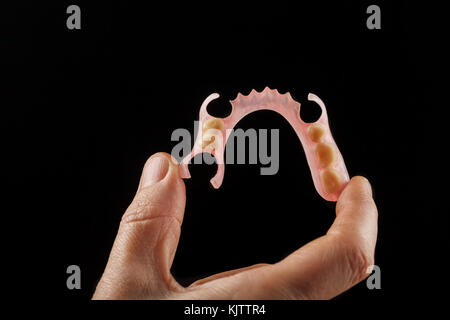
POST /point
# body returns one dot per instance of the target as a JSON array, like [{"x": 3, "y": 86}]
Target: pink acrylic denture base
[{"x": 270, "y": 99}]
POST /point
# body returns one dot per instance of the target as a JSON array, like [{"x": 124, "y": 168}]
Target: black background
[{"x": 85, "y": 108}]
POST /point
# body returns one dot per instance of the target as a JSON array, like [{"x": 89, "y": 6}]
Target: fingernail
[
  {"x": 368, "y": 187},
  {"x": 155, "y": 171}
]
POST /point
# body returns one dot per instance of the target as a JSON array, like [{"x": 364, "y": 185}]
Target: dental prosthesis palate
[{"x": 324, "y": 159}]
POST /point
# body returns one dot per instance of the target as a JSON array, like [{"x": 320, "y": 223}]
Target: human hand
[{"x": 143, "y": 251}]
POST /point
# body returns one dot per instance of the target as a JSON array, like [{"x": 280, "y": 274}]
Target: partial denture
[{"x": 324, "y": 159}]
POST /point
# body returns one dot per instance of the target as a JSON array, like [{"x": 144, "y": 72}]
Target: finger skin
[
  {"x": 142, "y": 254},
  {"x": 226, "y": 274}
]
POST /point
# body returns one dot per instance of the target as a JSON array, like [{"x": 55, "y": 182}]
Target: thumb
[{"x": 148, "y": 235}]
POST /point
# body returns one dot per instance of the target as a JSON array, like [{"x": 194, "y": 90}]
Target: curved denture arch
[{"x": 324, "y": 159}]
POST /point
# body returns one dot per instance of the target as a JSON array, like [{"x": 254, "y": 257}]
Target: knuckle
[
  {"x": 143, "y": 208},
  {"x": 358, "y": 260}
]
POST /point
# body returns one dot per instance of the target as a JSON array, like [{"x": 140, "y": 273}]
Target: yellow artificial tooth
[
  {"x": 325, "y": 154},
  {"x": 316, "y": 132}
]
